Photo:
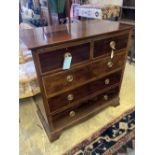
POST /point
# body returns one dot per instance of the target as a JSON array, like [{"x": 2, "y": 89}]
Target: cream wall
[{"x": 115, "y": 2}]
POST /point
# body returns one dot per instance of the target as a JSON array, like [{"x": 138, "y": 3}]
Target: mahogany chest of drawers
[{"x": 98, "y": 50}]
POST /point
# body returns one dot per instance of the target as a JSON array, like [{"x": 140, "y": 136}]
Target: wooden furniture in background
[
  {"x": 128, "y": 16},
  {"x": 128, "y": 11},
  {"x": 99, "y": 51},
  {"x": 47, "y": 12}
]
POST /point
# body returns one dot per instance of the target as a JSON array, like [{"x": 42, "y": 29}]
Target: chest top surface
[{"x": 57, "y": 34}]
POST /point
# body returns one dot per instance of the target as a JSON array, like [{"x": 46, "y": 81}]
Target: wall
[{"x": 115, "y": 2}]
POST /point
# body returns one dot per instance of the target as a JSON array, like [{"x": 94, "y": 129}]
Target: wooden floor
[{"x": 33, "y": 139}]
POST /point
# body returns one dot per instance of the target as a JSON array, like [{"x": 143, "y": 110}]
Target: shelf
[{"x": 128, "y": 7}]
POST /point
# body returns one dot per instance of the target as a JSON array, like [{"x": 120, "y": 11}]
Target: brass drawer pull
[
  {"x": 107, "y": 81},
  {"x": 70, "y": 97},
  {"x": 70, "y": 78},
  {"x": 112, "y": 45},
  {"x": 106, "y": 97},
  {"x": 110, "y": 64},
  {"x": 67, "y": 54},
  {"x": 72, "y": 114}
]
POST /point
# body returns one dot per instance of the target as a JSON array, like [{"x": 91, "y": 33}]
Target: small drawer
[
  {"x": 53, "y": 60},
  {"x": 105, "y": 46},
  {"x": 108, "y": 65},
  {"x": 70, "y": 97},
  {"x": 76, "y": 112}
]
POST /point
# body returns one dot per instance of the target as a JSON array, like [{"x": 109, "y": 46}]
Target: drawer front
[
  {"x": 68, "y": 98},
  {"x": 73, "y": 78},
  {"x": 103, "y": 46},
  {"x": 67, "y": 80},
  {"x": 53, "y": 60},
  {"x": 72, "y": 97},
  {"x": 108, "y": 65},
  {"x": 84, "y": 108}
]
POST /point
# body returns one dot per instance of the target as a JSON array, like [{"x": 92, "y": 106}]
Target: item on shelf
[
  {"x": 96, "y": 11},
  {"x": 37, "y": 11},
  {"x": 57, "y": 6},
  {"x": 39, "y": 22},
  {"x": 27, "y": 13}
]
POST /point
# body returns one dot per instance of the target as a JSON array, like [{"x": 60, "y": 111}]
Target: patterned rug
[{"x": 117, "y": 138}]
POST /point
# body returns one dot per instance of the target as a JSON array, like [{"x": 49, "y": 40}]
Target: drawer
[
  {"x": 67, "y": 80},
  {"x": 102, "y": 46},
  {"x": 53, "y": 60},
  {"x": 84, "y": 108},
  {"x": 56, "y": 84},
  {"x": 108, "y": 65},
  {"x": 72, "y": 97}
]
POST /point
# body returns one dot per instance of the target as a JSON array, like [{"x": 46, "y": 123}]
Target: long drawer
[
  {"x": 76, "y": 112},
  {"x": 67, "y": 80},
  {"x": 70, "y": 98}
]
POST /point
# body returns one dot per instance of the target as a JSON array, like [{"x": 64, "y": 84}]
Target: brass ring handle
[
  {"x": 110, "y": 64},
  {"x": 72, "y": 114},
  {"x": 70, "y": 78},
  {"x": 113, "y": 45},
  {"x": 107, "y": 81},
  {"x": 68, "y": 54},
  {"x": 105, "y": 97},
  {"x": 70, "y": 97}
]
